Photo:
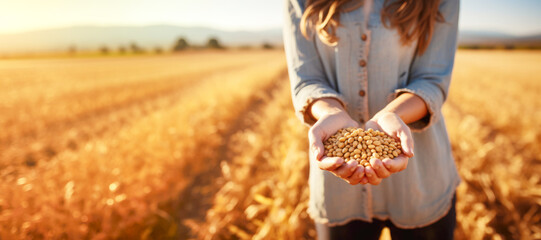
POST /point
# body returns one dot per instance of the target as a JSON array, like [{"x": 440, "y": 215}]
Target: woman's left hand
[{"x": 391, "y": 124}]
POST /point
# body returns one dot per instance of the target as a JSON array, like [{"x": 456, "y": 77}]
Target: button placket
[
  {"x": 362, "y": 63},
  {"x": 363, "y": 75},
  {"x": 363, "y": 72},
  {"x": 364, "y": 114},
  {"x": 362, "y": 93}
]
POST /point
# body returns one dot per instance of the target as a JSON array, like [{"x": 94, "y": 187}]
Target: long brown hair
[{"x": 413, "y": 19}]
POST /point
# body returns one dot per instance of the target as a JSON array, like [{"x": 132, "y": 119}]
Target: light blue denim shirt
[{"x": 366, "y": 70}]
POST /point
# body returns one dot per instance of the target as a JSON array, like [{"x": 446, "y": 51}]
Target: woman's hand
[
  {"x": 327, "y": 125},
  {"x": 393, "y": 125}
]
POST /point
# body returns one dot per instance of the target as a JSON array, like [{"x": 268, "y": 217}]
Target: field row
[
  {"x": 69, "y": 92},
  {"x": 264, "y": 192},
  {"x": 131, "y": 183},
  {"x": 97, "y": 102}
]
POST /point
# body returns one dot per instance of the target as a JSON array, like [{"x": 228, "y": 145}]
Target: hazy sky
[{"x": 509, "y": 16}]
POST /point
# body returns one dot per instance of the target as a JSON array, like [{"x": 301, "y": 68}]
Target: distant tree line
[
  {"x": 501, "y": 46},
  {"x": 180, "y": 44}
]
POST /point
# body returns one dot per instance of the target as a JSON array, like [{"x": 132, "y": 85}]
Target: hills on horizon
[
  {"x": 164, "y": 36},
  {"x": 469, "y": 38},
  {"x": 152, "y": 36}
]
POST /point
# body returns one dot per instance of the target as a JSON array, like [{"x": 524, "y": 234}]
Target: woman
[{"x": 384, "y": 65}]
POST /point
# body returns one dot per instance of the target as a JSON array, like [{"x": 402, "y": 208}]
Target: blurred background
[
  {"x": 31, "y": 27},
  {"x": 125, "y": 120}
]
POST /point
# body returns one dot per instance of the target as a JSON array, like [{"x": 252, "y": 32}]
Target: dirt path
[{"x": 197, "y": 198}]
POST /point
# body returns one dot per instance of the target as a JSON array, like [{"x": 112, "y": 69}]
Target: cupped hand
[
  {"x": 325, "y": 127},
  {"x": 391, "y": 124}
]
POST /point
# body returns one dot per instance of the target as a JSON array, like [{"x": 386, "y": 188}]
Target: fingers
[
  {"x": 330, "y": 163},
  {"x": 364, "y": 180},
  {"x": 381, "y": 171},
  {"x": 346, "y": 170},
  {"x": 371, "y": 176},
  {"x": 316, "y": 142},
  {"x": 351, "y": 172},
  {"x": 406, "y": 140},
  {"x": 378, "y": 170},
  {"x": 396, "y": 164},
  {"x": 356, "y": 177}
]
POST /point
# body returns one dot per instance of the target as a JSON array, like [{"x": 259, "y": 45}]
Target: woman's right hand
[{"x": 328, "y": 124}]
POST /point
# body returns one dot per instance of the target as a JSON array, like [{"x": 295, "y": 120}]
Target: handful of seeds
[{"x": 355, "y": 144}]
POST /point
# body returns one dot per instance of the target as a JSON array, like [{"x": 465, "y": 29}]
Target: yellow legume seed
[{"x": 356, "y": 144}]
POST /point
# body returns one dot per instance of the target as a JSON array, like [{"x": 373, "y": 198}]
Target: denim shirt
[{"x": 366, "y": 70}]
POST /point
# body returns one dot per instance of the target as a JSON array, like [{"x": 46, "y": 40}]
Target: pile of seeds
[{"x": 361, "y": 146}]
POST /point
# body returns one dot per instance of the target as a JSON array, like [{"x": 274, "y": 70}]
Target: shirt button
[
  {"x": 361, "y": 121},
  {"x": 362, "y": 93},
  {"x": 363, "y": 37},
  {"x": 362, "y": 63}
]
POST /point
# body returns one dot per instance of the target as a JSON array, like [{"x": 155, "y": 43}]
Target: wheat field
[{"x": 205, "y": 145}]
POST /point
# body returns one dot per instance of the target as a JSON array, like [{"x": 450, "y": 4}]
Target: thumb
[
  {"x": 315, "y": 137},
  {"x": 406, "y": 140}
]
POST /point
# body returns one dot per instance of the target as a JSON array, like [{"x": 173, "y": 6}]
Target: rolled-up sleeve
[
  {"x": 430, "y": 73},
  {"x": 306, "y": 73}
]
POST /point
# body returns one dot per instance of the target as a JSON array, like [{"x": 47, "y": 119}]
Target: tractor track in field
[
  {"x": 32, "y": 148},
  {"x": 197, "y": 197}
]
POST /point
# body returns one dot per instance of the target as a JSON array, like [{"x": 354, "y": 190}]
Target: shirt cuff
[
  {"x": 431, "y": 99},
  {"x": 306, "y": 98}
]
